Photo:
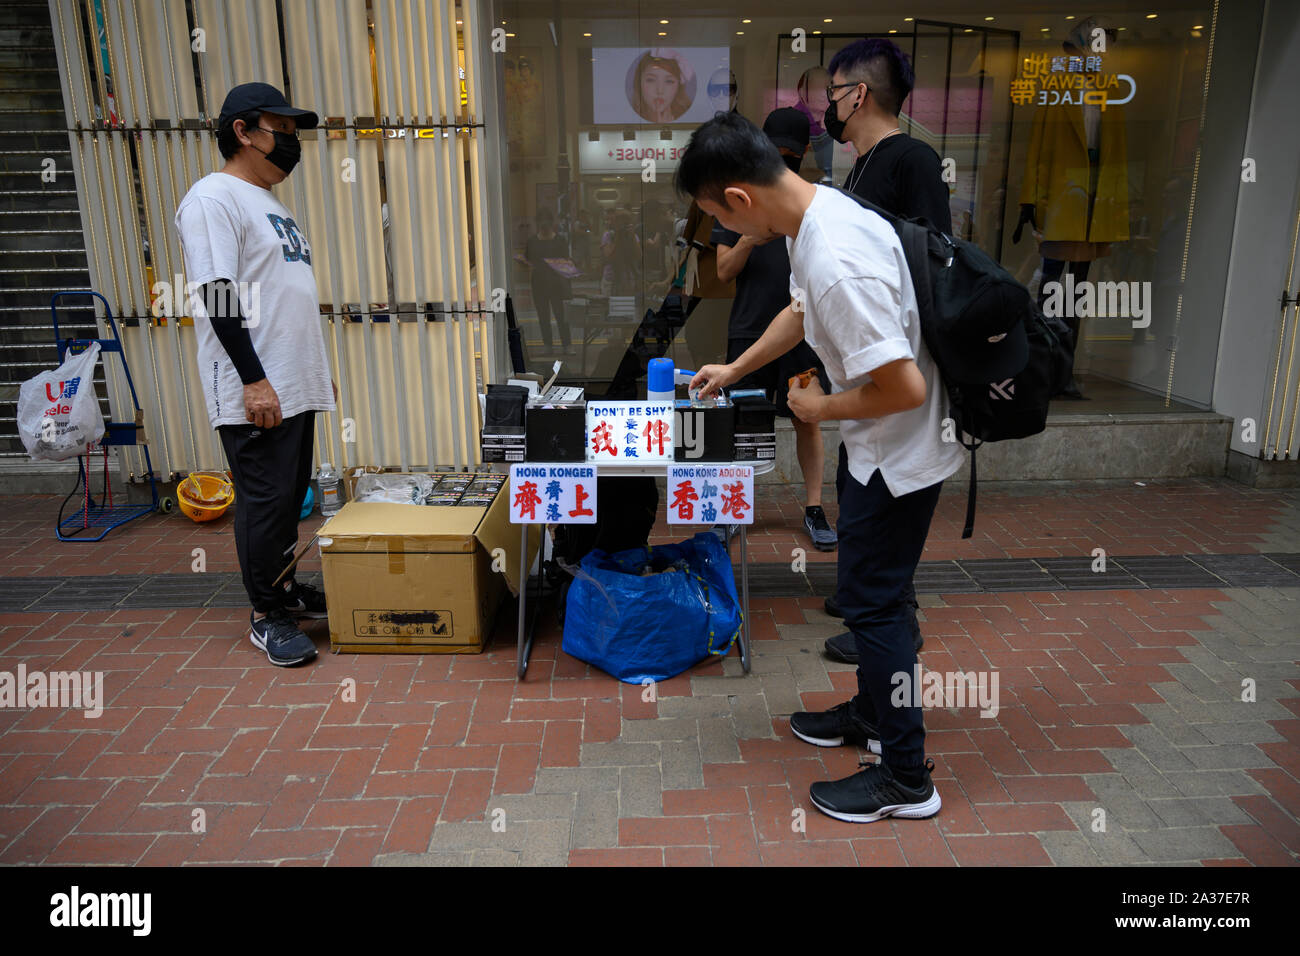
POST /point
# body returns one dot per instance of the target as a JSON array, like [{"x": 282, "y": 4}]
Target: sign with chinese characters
[
  {"x": 1048, "y": 80},
  {"x": 711, "y": 494},
  {"x": 552, "y": 494},
  {"x": 629, "y": 432}
]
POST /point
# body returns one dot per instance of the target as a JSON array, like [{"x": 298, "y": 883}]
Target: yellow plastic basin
[{"x": 205, "y": 495}]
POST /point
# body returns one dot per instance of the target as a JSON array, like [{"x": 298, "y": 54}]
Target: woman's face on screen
[{"x": 658, "y": 88}]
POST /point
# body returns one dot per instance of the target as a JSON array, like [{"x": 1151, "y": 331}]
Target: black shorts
[{"x": 774, "y": 377}]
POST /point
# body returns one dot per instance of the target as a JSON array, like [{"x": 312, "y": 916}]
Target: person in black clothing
[
  {"x": 870, "y": 79},
  {"x": 761, "y": 268},
  {"x": 550, "y": 289}
]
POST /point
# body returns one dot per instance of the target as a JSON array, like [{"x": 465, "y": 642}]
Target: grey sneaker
[
  {"x": 819, "y": 529},
  {"x": 279, "y": 637}
]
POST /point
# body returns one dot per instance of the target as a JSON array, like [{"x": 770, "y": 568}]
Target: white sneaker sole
[
  {"x": 908, "y": 811},
  {"x": 873, "y": 745},
  {"x": 260, "y": 644}
]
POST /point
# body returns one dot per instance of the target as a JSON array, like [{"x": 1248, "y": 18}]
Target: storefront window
[{"x": 1068, "y": 142}]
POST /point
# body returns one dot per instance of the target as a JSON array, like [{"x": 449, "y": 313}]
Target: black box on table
[{"x": 702, "y": 431}]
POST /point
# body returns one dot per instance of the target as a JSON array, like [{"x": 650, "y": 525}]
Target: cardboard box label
[
  {"x": 542, "y": 494},
  {"x": 374, "y": 623},
  {"x": 630, "y": 431},
  {"x": 710, "y": 494}
]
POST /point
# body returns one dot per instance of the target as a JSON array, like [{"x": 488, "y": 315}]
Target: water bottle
[
  {"x": 329, "y": 490},
  {"x": 659, "y": 381}
]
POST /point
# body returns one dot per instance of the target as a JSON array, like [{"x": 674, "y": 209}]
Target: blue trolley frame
[{"x": 94, "y": 515}]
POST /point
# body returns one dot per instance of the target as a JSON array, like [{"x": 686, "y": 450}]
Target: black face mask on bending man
[{"x": 792, "y": 162}]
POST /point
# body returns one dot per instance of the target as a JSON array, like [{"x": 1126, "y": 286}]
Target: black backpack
[{"x": 956, "y": 279}]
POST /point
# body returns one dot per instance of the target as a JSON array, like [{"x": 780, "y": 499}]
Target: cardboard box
[{"x": 418, "y": 579}]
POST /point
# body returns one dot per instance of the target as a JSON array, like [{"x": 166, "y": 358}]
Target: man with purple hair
[{"x": 870, "y": 79}]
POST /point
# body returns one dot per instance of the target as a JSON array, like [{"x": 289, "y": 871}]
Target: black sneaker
[
  {"x": 303, "y": 600},
  {"x": 819, "y": 529},
  {"x": 832, "y": 608},
  {"x": 835, "y": 727},
  {"x": 284, "y": 644},
  {"x": 843, "y": 648},
  {"x": 874, "y": 793}
]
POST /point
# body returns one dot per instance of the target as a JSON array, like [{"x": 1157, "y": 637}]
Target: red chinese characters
[
  {"x": 527, "y": 499},
  {"x": 655, "y": 431},
  {"x": 733, "y": 500},
  {"x": 579, "y": 496},
  {"x": 684, "y": 497},
  {"x": 600, "y": 440}
]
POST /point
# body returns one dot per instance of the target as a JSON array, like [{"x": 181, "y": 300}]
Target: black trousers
[
  {"x": 881, "y": 540},
  {"x": 549, "y": 300},
  {"x": 271, "y": 469}
]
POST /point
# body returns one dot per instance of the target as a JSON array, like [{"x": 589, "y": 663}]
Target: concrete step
[{"x": 1137, "y": 446}]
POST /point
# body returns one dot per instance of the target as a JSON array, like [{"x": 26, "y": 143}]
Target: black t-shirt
[
  {"x": 538, "y": 249},
  {"x": 762, "y": 287},
  {"x": 903, "y": 176}
]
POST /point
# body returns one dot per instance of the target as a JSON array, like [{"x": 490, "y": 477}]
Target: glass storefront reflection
[{"x": 1068, "y": 143}]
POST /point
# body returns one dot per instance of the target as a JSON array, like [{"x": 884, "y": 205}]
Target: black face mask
[
  {"x": 832, "y": 122},
  {"x": 286, "y": 153},
  {"x": 792, "y": 162}
]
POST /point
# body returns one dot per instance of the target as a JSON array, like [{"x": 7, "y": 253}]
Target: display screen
[{"x": 659, "y": 85}]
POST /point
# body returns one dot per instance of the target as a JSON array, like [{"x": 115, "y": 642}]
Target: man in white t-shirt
[
  {"x": 261, "y": 350},
  {"x": 852, "y": 300}
]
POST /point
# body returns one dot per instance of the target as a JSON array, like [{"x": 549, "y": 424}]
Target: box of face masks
[{"x": 419, "y": 579}]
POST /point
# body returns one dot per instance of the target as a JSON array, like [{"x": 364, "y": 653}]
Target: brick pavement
[{"x": 1127, "y": 702}]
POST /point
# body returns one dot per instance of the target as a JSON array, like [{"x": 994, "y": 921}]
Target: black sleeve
[
  {"x": 722, "y": 236},
  {"x": 922, "y": 193},
  {"x": 222, "y": 301}
]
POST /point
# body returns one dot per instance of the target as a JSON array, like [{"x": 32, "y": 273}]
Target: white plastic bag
[
  {"x": 403, "y": 489},
  {"x": 58, "y": 413}
]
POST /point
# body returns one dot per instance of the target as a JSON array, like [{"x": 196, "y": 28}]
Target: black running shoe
[
  {"x": 835, "y": 727},
  {"x": 303, "y": 600},
  {"x": 832, "y": 608},
  {"x": 819, "y": 529},
  {"x": 843, "y": 648},
  {"x": 874, "y": 793},
  {"x": 284, "y": 644}
]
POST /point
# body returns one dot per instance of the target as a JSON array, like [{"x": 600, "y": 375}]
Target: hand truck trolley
[{"x": 102, "y": 515}]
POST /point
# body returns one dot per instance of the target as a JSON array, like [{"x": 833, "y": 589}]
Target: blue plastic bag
[{"x": 640, "y": 627}]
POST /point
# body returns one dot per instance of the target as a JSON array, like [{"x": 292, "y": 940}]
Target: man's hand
[
  {"x": 808, "y": 404},
  {"x": 262, "y": 404},
  {"x": 711, "y": 379}
]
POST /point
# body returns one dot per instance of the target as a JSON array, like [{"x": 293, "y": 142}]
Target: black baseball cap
[
  {"x": 266, "y": 99},
  {"x": 787, "y": 127}
]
